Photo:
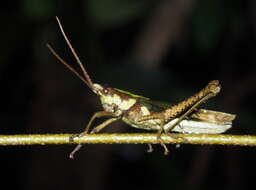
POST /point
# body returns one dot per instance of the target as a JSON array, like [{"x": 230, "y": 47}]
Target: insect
[{"x": 143, "y": 113}]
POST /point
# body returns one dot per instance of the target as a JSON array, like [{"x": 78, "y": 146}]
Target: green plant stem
[{"x": 134, "y": 138}]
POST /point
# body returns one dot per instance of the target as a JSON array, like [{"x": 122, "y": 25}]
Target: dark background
[{"x": 166, "y": 50}]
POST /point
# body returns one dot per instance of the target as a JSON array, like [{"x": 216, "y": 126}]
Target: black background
[{"x": 166, "y": 50}]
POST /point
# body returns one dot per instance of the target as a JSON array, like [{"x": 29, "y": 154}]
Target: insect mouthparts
[{"x": 96, "y": 88}]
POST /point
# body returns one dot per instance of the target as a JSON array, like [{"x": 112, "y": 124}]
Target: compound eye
[{"x": 105, "y": 90}]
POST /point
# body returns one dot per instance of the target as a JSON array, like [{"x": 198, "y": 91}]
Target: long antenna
[
  {"x": 86, "y": 75},
  {"x": 66, "y": 64}
]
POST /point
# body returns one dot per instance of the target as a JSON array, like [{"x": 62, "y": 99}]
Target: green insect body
[{"x": 143, "y": 113}]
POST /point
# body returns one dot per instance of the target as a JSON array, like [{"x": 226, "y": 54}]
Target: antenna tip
[
  {"x": 58, "y": 20},
  {"x": 49, "y": 47}
]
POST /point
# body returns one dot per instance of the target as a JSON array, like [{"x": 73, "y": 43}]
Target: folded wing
[{"x": 204, "y": 122}]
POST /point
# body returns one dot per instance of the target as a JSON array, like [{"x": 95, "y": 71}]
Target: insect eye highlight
[{"x": 106, "y": 91}]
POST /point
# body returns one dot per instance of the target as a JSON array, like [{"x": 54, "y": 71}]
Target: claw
[
  {"x": 150, "y": 148},
  {"x": 78, "y": 147},
  {"x": 166, "y": 151},
  {"x": 71, "y": 155},
  {"x": 71, "y": 138}
]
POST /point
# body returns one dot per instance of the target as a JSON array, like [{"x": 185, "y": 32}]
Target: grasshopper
[{"x": 143, "y": 113}]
